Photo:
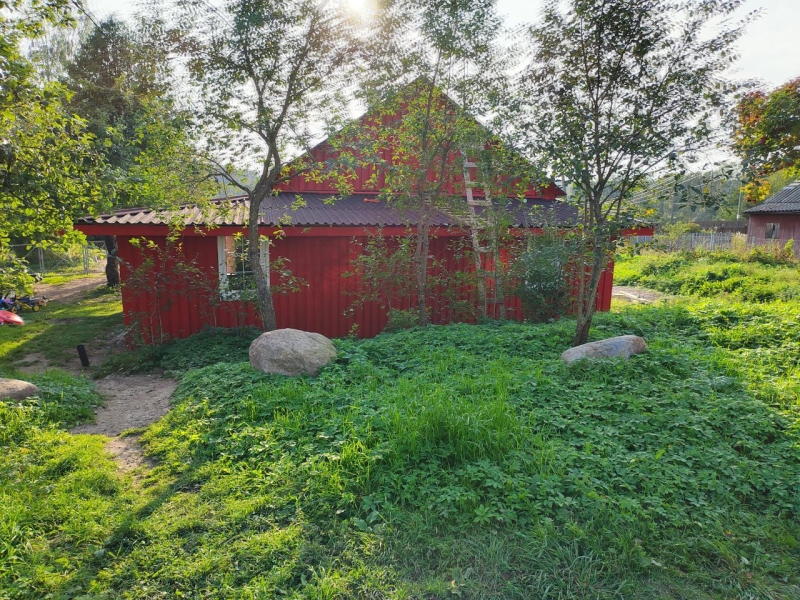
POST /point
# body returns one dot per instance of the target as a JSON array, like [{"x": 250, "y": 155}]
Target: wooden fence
[{"x": 722, "y": 240}]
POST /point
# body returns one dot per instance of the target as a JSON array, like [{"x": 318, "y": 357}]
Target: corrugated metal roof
[
  {"x": 320, "y": 210},
  {"x": 786, "y": 200}
]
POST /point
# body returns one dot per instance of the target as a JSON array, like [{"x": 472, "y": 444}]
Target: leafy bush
[
  {"x": 65, "y": 399},
  {"x": 710, "y": 274},
  {"x": 208, "y": 347},
  {"x": 542, "y": 273}
]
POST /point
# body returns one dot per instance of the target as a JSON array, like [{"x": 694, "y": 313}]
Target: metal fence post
[{"x": 41, "y": 261}]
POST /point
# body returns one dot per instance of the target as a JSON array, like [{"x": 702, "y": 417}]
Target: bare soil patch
[
  {"x": 128, "y": 453},
  {"x": 132, "y": 402},
  {"x": 34, "y": 363},
  {"x": 636, "y": 295},
  {"x": 69, "y": 291}
]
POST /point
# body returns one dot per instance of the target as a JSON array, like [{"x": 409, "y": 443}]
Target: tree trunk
[
  {"x": 421, "y": 266},
  {"x": 112, "y": 265},
  {"x": 481, "y": 280},
  {"x": 499, "y": 291},
  {"x": 266, "y": 308},
  {"x": 587, "y": 299}
]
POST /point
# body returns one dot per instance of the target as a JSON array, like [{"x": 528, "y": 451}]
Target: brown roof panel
[{"x": 321, "y": 210}]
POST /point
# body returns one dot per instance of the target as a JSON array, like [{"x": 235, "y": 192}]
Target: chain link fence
[{"x": 73, "y": 260}]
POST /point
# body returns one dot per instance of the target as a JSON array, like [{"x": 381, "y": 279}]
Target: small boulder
[
  {"x": 291, "y": 352},
  {"x": 16, "y": 389},
  {"x": 624, "y": 345}
]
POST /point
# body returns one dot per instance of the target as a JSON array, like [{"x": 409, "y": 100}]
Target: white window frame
[{"x": 222, "y": 266}]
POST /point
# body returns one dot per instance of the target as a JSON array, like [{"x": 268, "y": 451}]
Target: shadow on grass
[{"x": 55, "y": 331}]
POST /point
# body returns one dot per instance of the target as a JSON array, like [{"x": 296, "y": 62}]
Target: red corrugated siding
[
  {"x": 361, "y": 184},
  {"x": 321, "y": 307}
]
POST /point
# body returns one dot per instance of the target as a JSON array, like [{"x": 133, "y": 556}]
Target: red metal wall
[
  {"x": 168, "y": 307},
  {"x": 324, "y": 152}
]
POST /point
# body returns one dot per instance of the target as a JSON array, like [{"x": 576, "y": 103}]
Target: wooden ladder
[{"x": 475, "y": 225}]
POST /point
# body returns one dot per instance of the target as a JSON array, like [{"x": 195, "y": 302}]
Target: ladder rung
[
  {"x": 479, "y": 203},
  {"x": 470, "y": 165}
]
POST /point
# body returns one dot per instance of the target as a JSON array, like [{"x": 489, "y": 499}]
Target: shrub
[{"x": 542, "y": 274}]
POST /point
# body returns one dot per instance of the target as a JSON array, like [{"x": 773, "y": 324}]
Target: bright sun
[{"x": 360, "y": 8}]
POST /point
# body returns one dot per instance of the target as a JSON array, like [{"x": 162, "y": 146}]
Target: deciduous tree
[
  {"x": 267, "y": 78},
  {"x": 434, "y": 67},
  {"x": 49, "y": 169},
  {"x": 617, "y": 90},
  {"x": 767, "y": 135},
  {"x": 120, "y": 83}
]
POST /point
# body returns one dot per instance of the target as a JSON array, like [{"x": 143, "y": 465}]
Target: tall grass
[
  {"x": 459, "y": 461},
  {"x": 763, "y": 277}
]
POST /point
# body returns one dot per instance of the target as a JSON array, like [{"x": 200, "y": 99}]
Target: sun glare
[{"x": 360, "y": 8}]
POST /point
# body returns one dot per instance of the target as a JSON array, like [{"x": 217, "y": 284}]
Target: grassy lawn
[
  {"x": 57, "y": 328},
  {"x": 461, "y": 461}
]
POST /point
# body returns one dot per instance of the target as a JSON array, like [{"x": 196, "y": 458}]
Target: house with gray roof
[{"x": 777, "y": 218}]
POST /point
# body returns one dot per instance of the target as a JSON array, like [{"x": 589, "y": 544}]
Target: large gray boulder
[
  {"x": 291, "y": 352},
  {"x": 16, "y": 389},
  {"x": 624, "y": 345}
]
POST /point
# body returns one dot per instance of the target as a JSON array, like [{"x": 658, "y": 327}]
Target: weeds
[
  {"x": 764, "y": 277},
  {"x": 458, "y": 461}
]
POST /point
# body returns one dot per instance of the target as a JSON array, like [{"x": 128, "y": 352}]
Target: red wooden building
[
  {"x": 319, "y": 243},
  {"x": 777, "y": 220}
]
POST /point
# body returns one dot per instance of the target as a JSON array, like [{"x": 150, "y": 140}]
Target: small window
[
  {"x": 235, "y": 273},
  {"x": 773, "y": 231}
]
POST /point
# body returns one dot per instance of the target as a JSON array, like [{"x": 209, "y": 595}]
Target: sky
[{"x": 769, "y": 50}]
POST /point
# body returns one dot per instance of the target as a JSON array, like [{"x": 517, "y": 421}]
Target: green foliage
[
  {"x": 15, "y": 276},
  {"x": 386, "y": 274},
  {"x": 120, "y": 79},
  {"x": 643, "y": 95},
  {"x": 166, "y": 273},
  {"x": 65, "y": 399},
  {"x": 459, "y": 460},
  {"x": 764, "y": 275},
  {"x": 206, "y": 348},
  {"x": 767, "y": 134},
  {"x": 265, "y": 79},
  {"x": 49, "y": 169},
  {"x": 542, "y": 273},
  {"x": 384, "y": 268},
  {"x": 402, "y": 319},
  {"x": 662, "y": 468}
]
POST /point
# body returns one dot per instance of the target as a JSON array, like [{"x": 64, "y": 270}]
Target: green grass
[
  {"x": 56, "y": 329},
  {"x": 459, "y": 461},
  {"x": 762, "y": 278},
  {"x": 61, "y": 277},
  {"x": 200, "y": 350}
]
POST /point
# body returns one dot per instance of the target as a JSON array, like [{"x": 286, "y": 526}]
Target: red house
[
  {"x": 318, "y": 246},
  {"x": 777, "y": 219}
]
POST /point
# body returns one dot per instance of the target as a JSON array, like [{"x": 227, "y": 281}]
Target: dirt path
[
  {"x": 131, "y": 402},
  {"x": 636, "y": 295},
  {"x": 70, "y": 291}
]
